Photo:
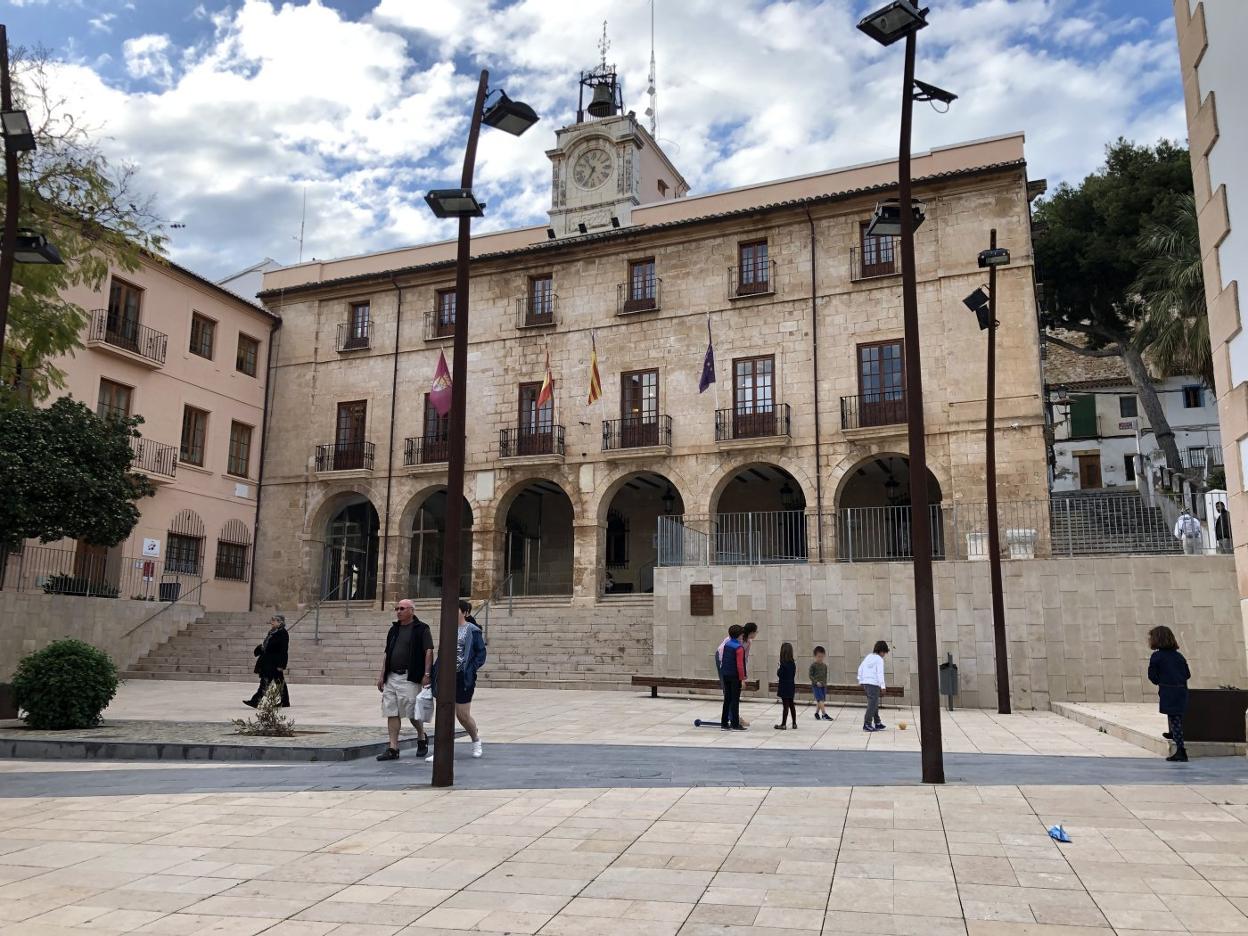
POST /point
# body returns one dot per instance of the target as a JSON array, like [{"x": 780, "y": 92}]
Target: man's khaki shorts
[{"x": 398, "y": 698}]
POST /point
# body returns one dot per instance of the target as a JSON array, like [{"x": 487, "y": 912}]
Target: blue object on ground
[{"x": 1057, "y": 832}]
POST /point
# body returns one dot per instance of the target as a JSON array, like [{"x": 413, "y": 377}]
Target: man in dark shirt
[{"x": 405, "y": 670}]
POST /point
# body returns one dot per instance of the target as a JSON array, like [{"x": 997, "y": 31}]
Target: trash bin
[{"x": 949, "y": 679}]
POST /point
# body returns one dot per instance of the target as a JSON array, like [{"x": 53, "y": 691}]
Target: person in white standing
[
  {"x": 469, "y": 657},
  {"x": 871, "y": 678},
  {"x": 1187, "y": 531}
]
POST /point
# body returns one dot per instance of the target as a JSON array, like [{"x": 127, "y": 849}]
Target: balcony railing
[
  {"x": 344, "y": 456},
  {"x": 353, "y": 336},
  {"x": 1201, "y": 459},
  {"x": 51, "y": 571},
  {"x": 539, "y": 440},
  {"x": 426, "y": 450},
  {"x": 884, "y": 408},
  {"x": 752, "y": 423},
  {"x": 636, "y": 432},
  {"x": 147, "y": 343},
  {"x": 881, "y": 260},
  {"x": 536, "y": 311},
  {"x": 438, "y": 325},
  {"x": 638, "y": 295},
  {"x": 154, "y": 457},
  {"x": 752, "y": 279}
]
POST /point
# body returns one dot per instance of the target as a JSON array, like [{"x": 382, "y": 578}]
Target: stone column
[
  {"x": 588, "y": 554},
  {"x": 488, "y": 544}
]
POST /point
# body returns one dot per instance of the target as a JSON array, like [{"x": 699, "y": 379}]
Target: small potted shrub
[{"x": 67, "y": 684}]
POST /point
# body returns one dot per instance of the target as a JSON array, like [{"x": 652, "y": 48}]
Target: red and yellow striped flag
[
  {"x": 595, "y": 381},
  {"x": 547, "y": 393}
]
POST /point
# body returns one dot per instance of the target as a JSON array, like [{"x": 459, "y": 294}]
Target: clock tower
[{"x": 606, "y": 163}]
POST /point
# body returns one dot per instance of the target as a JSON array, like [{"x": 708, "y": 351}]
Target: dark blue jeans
[{"x": 731, "y": 715}]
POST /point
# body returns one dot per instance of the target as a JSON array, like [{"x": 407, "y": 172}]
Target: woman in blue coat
[{"x": 1168, "y": 671}]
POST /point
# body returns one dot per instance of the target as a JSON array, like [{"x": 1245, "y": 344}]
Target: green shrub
[
  {"x": 67, "y": 684},
  {"x": 63, "y": 584}
]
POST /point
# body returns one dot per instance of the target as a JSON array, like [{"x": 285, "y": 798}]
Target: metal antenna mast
[
  {"x": 302, "y": 221},
  {"x": 653, "y": 110}
]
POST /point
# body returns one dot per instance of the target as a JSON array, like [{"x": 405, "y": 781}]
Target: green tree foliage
[
  {"x": 66, "y": 473},
  {"x": 67, "y": 684},
  {"x": 87, "y": 207},
  {"x": 1174, "y": 326},
  {"x": 1088, "y": 256}
]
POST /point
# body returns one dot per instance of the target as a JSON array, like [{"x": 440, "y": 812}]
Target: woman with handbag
[{"x": 271, "y": 660}]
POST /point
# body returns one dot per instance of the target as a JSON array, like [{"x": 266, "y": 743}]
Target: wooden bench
[
  {"x": 895, "y": 692},
  {"x": 655, "y": 683}
]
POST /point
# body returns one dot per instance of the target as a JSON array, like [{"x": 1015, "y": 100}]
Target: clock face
[{"x": 592, "y": 168}]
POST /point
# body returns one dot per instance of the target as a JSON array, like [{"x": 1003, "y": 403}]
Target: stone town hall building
[{"x": 783, "y": 460}]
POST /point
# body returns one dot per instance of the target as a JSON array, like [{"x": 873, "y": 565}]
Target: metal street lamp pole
[
  {"x": 920, "y": 513},
  {"x": 12, "y": 199},
  {"x": 994, "y": 533},
  {"x": 444, "y": 726}
]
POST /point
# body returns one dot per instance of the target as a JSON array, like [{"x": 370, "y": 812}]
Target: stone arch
[
  {"x": 616, "y": 480},
  {"x": 874, "y": 514},
  {"x": 342, "y": 545},
  {"x": 422, "y": 540},
  {"x": 536, "y": 518},
  {"x": 799, "y": 479},
  {"x": 628, "y": 519},
  {"x": 759, "y": 515}
]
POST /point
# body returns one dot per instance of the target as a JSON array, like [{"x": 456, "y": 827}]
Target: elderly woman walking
[{"x": 271, "y": 660}]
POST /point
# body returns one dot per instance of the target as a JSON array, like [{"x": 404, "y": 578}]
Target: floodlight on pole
[
  {"x": 510, "y": 116},
  {"x": 18, "y": 136},
  {"x": 34, "y": 248},
  {"x": 978, "y": 303},
  {"x": 886, "y": 219},
  {"x": 895, "y": 21},
  {"x": 455, "y": 203}
]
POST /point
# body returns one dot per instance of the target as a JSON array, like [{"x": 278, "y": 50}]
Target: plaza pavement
[{"x": 159, "y": 848}]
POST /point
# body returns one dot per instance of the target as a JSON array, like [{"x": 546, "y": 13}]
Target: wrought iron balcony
[
  {"x": 883, "y": 408},
  {"x": 751, "y": 422},
  {"x": 636, "y": 432},
  {"x": 882, "y": 259},
  {"x": 353, "y": 336},
  {"x": 154, "y": 458},
  {"x": 426, "y": 450},
  {"x": 752, "y": 279},
  {"x": 526, "y": 441},
  {"x": 536, "y": 311},
  {"x": 439, "y": 324},
  {"x": 344, "y": 456},
  {"x": 115, "y": 331},
  {"x": 638, "y": 295}
]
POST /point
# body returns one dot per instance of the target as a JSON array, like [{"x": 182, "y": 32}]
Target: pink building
[{"x": 191, "y": 358}]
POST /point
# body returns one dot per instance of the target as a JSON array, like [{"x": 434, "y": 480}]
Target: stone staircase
[
  {"x": 1095, "y": 523},
  {"x": 543, "y": 643}
]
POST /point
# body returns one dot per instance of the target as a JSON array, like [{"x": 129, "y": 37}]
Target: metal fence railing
[
  {"x": 881, "y": 408},
  {"x": 345, "y": 456},
  {"x": 1076, "y": 525},
  {"x": 752, "y": 422},
  {"x": 636, "y": 432},
  {"x": 129, "y": 335},
  {"x": 542, "y": 439},
  {"x": 90, "y": 574}
]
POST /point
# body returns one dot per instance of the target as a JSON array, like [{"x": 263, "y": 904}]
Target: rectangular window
[
  {"x": 435, "y": 446},
  {"x": 349, "y": 435},
  {"x": 240, "y": 449},
  {"x": 753, "y": 397},
  {"x": 1128, "y": 466},
  {"x": 231, "y": 561},
  {"x": 639, "y": 409},
  {"x": 881, "y": 384},
  {"x": 1128, "y": 407},
  {"x": 754, "y": 270},
  {"x": 183, "y": 554},
  {"x": 124, "y": 302},
  {"x": 444, "y": 326},
  {"x": 1083, "y": 416},
  {"x": 194, "y": 430},
  {"x": 878, "y": 253},
  {"x": 1195, "y": 457},
  {"x": 1193, "y": 397},
  {"x": 248, "y": 355},
  {"x": 642, "y": 286},
  {"x": 203, "y": 331},
  {"x": 114, "y": 400},
  {"x": 541, "y": 304},
  {"x": 355, "y": 335}
]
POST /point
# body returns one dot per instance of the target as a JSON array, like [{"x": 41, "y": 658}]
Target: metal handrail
[
  {"x": 167, "y": 606},
  {"x": 316, "y": 608},
  {"x": 482, "y": 614}
]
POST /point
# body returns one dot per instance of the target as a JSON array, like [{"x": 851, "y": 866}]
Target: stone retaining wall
[
  {"x": 1076, "y": 627},
  {"x": 30, "y": 621}
]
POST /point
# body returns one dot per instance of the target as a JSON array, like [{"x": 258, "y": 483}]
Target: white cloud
[
  {"x": 368, "y": 114},
  {"x": 100, "y": 23}
]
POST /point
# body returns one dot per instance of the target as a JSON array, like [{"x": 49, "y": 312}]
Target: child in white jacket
[{"x": 871, "y": 678}]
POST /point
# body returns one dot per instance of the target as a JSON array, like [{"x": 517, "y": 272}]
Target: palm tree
[{"x": 1173, "y": 326}]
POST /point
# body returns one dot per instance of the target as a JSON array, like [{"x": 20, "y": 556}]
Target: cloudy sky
[{"x": 232, "y": 110}]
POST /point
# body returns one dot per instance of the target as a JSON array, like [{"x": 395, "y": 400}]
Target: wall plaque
[{"x": 701, "y": 600}]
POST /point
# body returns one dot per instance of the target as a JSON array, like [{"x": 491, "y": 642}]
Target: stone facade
[
  {"x": 1077, "y": 628},
  {"x": 812, "y": 230}
]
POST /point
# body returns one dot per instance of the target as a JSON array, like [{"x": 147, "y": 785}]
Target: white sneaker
[
  {"x": 476, "y": 748},
  {"x": 429, "y": 759}
]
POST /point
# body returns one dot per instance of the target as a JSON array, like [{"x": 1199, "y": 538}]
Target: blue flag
[{"x": 708, "y": 364}]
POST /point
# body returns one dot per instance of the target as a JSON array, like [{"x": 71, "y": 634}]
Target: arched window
[
  {"x": 186, "y": 544},
  {"x": 234, "y": 552}
]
